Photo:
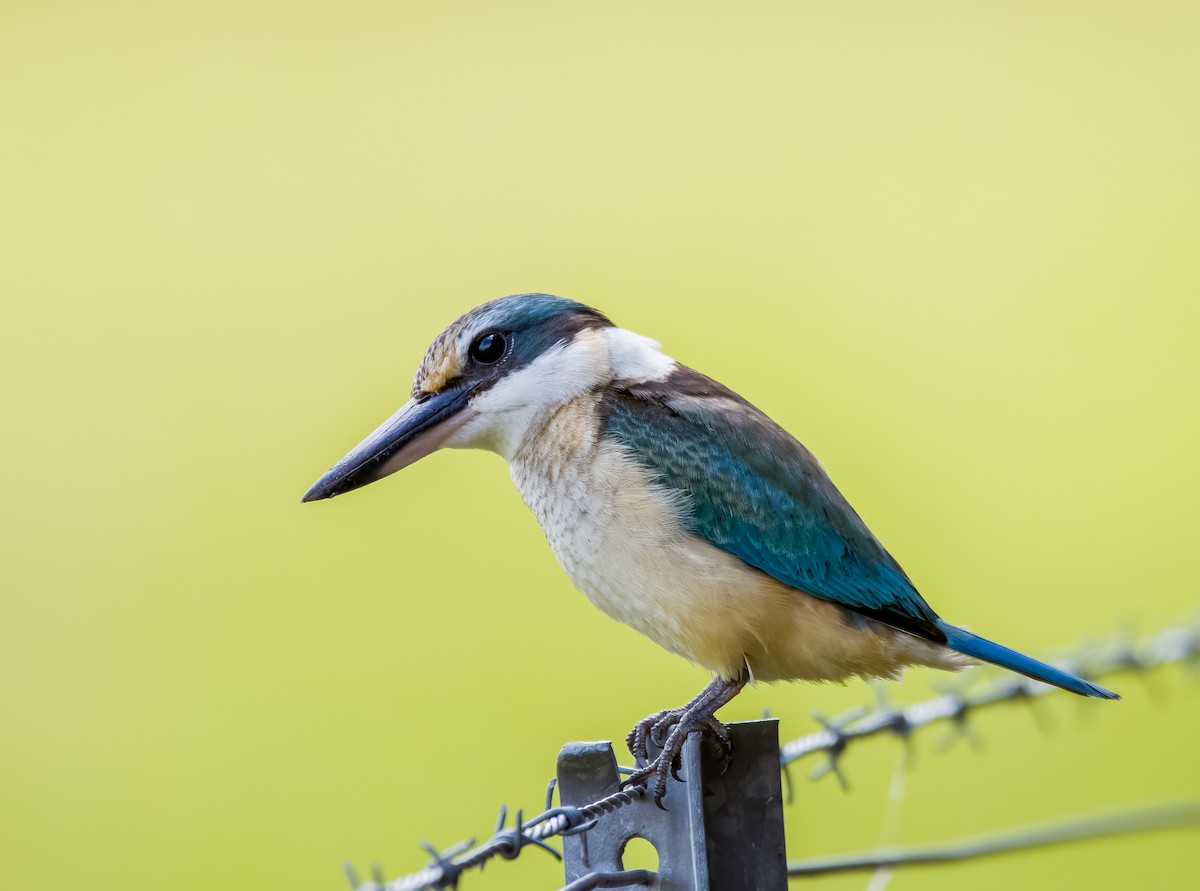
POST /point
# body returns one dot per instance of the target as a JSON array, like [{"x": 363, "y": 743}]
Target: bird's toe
[{"x": 660, "y": 732}]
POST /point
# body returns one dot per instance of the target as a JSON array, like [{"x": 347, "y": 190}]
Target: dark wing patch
[{"x": 760, "y": 495}]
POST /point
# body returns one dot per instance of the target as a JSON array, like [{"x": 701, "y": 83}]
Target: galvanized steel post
[{"x": 721, "y": 832}]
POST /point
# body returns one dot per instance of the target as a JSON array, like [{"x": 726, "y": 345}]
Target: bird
[{"x": 677, "y": 507}]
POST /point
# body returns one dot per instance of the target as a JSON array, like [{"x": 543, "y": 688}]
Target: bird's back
[{"x": 757, "y": 493}]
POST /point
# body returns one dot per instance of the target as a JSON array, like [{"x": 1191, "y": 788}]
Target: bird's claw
[
  {"x": 649, "y": 730},
  {"x": 720, "y": 742},
  {"x": 654, "y": 769}
]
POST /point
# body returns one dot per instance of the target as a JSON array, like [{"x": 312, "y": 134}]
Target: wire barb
[
  {"x": 511, "y": 841},
  {"x": 838, "y": 739}
]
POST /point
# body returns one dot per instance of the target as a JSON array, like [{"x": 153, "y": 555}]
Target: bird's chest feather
[
  {"x": 599, "y": 511},
  {"x": 620, "y": 537}
]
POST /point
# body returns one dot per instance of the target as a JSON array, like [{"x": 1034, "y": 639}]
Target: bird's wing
[{"x": 757, "y": 493}]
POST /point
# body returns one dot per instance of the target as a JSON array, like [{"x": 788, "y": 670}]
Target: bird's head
[{"x": 484, "y": 383}]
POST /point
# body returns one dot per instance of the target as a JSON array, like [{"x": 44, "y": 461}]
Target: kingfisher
[{"x": 676, "y": 507}]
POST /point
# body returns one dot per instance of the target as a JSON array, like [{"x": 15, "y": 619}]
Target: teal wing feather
[{"x": 757, "y": 493}]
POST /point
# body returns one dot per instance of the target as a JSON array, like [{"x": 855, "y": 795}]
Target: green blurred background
[{"x": 951, "y": 246}]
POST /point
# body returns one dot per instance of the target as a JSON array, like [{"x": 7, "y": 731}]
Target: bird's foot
[
  {"x": 677, "y": 724},
  {"x": 668, "y": 730},
  {"x": 654, "y": 730}
]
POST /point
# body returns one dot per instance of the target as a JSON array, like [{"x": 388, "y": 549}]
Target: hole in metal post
[{"x": 638, "y": 853}]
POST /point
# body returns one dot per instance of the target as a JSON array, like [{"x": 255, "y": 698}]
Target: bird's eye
[{"x": 488, "y": 348}]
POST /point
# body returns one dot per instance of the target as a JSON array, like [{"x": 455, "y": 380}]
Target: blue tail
[{"x": 967, "y": 643}]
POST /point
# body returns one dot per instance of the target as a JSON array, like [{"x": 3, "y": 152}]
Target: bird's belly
[{"x": 621, "y": 540}]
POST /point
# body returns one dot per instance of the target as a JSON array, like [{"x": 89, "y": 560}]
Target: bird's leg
[{"x": 676, "y": 725}]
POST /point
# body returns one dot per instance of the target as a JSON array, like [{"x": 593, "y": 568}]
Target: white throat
[{"x": 520, "y": 404}]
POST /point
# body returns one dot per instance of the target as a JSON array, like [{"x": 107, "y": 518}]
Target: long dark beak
[{"x": 417, "y": 430}]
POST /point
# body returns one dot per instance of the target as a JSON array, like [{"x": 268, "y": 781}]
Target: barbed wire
[
  {"x": 1179, "y": 644},
  {"x": 448, "y": 865},
  {"x": 1151, "y": 818},
  {"x": 1175, "y": 645}
]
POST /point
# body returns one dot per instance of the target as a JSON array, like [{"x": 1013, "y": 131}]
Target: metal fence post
[{"x": 721, "y": 832}]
